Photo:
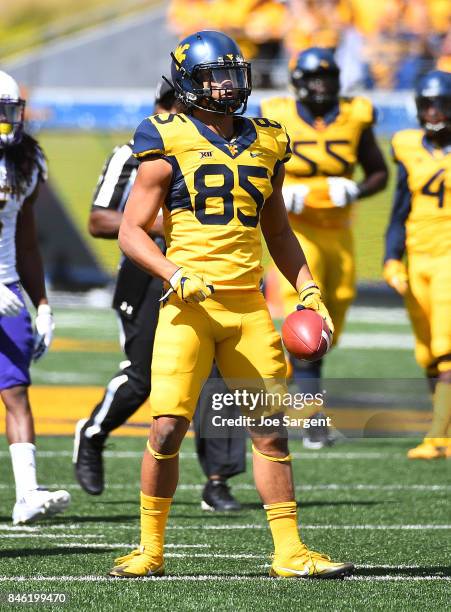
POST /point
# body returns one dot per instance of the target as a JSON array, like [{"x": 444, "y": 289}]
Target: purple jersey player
[{"x": 22, "y": 168}]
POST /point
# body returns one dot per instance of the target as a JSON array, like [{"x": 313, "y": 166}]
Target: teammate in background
[
  {"x": 329, "y": 137},
  {"x": 22, "y": 168},
  {"x": 420, "y": 227},
  {"x": 216, "y": 175},
  {"x": 136, "y": 301}
]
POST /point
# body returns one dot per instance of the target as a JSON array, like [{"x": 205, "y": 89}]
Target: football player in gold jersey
[
  {"x": 329, "y": 137},
  {"x": 420, "y": 227},
  {"x": 219, "y": 179}
]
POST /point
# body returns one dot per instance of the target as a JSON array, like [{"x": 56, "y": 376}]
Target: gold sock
[
  {"x": 154, "y": 515},
  {"x": 441, "y": 416},
  {"x": 282, "y": 518}
]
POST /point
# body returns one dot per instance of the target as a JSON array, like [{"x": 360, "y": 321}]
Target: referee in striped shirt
[{"x": 136, "y": 301}]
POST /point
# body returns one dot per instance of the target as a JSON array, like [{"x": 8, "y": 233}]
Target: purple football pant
[{"x": 16, "y": 346}]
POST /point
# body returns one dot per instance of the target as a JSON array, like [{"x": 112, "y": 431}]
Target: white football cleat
[{"x": 39, "y": 504}]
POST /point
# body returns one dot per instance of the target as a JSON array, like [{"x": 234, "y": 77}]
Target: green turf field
[
  {"x": 360, "y": 501},
  {"x": 75, "y": 161}
]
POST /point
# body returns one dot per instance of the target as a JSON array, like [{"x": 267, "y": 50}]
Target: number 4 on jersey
[{"x": 435, "y": 187}]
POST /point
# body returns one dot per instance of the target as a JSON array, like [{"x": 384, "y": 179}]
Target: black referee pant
[{"x": 219, "y": 456}]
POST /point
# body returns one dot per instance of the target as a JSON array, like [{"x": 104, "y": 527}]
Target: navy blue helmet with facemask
[
  {"x": 434, "y": 89},
  {"x": 316, "y": 78},
  {"x": 208, "y": 71}
]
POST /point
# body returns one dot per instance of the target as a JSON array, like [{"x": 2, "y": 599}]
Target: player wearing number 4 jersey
[
  {"x": 330, "y": 136},
  {"x": 22, "y": 169},
  {"x": 218, "y": 177},
  {"x": 420, "y": 227}
]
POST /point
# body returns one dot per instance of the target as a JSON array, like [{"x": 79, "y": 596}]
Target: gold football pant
[
  {"x": 232, "y": 327},
  {"x": 429, "y": 305},
  {"x": 330, "y": 256}
]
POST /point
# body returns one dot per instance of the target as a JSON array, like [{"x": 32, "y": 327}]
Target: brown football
[{"x": 306, "y": 335}]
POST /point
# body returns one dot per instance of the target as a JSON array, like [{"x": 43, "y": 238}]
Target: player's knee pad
[
  {"x": 160, "y": 456},
  {"x": 286, "y": 459}
]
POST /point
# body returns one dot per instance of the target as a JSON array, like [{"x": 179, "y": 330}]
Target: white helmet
[{"x": 11, "y": 111}]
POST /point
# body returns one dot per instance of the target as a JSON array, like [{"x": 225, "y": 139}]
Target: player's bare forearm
[
  {"x": 145, "y": 200},
  {"x": 104, "y": 223},
  {"x": 138, "y": 246},
  {"x": 29, "y": 260},
  {"x": 373, "y": 163},
  {"x": 280, "y": 239}
]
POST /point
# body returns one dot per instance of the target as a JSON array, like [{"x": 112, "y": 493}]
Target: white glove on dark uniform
[
  {"x": 342, "y": 191},
  {"x": 294, "y": 197},
  {"x": 43, "y": 334},
  {"x": 10, "y": 304}
]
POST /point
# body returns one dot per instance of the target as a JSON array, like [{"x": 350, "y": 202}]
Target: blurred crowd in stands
[{"x": 385, "y": 44}]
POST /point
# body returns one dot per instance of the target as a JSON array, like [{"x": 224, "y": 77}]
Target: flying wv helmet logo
[
  {"x": 180, "y": 54},
  {"x": 233, "y": 149}
]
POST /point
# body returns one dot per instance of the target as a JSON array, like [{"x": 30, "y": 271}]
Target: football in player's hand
[{"x": 306, "y": 335}]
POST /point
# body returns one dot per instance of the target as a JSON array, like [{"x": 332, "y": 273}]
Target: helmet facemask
[
  {"x": 317, "y": 90},
  {"x": 11, "y": 120},
  {"x": 221, "y": 87},
  {"x": 434, "y": 114}
]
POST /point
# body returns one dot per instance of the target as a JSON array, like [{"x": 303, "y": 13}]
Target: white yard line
[
  {"x": 209, "y": 578},
  {"x": 382, "y": 340},
  {"x": 372, "y": 314}
]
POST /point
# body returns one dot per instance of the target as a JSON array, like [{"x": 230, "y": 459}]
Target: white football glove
[
  {"x": 342, "y": 191},
  {"x": 294, "y": 197},
  {"x": 10, "y": 304},
  {"x": 43, "y": 334}
]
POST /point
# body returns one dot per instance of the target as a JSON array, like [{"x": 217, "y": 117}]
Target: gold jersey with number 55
[{"x": 322, "y": 148}]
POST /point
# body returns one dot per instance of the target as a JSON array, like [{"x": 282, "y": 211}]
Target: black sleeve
[
  {"x": 395, "y": 236},
  {"x": 116, "y": 179}
]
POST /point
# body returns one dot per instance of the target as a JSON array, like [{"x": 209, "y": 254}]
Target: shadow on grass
[
  {"x": 313, "y": 504},
  {"x": 120, "y": 502},
  {"x": 441, "y": 571}
]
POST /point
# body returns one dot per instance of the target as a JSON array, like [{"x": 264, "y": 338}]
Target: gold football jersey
[
  {"x": 423, "y": 195},
  {"x": 321, "y": 148},
  {"x": 211, "y": 213}
]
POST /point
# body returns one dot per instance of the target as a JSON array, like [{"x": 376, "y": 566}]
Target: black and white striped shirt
[
  {"x": 112, "y": 191},
  {"x": 116, "y": 179}
]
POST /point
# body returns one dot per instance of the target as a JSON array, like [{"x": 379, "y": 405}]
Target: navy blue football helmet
[
  {"x": 208, "y": 72},
  {"x": 316, "y": 78},
  {"x": 434, "y": 90}
]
